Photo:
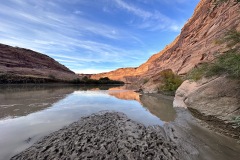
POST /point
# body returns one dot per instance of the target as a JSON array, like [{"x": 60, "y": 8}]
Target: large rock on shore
[
  {"x": 104, "y": 136},
  {"x": 215, "y": 100}
]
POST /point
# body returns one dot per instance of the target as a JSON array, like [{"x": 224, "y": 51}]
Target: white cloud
[
  {"x": 176, "y": 27},
  {"x": 151, "y": 20},
  {"x": 137, "y": 11},
  {"x": 78, "y": 12},
  {"x": 59, "y": 33},
  {"x": 58, "y": 22},
  {"x": 74, "y": 37}
]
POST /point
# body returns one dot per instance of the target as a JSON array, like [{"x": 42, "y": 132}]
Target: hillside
[
  {"x": 24, "y": 62},
  {"x": 195, "y": 44}
]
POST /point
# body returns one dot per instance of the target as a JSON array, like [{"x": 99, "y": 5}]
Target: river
[{"x": 30, "y": 112}]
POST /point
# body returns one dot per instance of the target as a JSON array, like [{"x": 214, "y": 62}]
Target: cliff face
[
  {"x": 24, "y": 62},
  {"x": 195, "y": 44}
]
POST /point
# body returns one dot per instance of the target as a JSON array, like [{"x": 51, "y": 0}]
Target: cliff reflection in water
[
  {"x": 125, "y": 94},
  {"x": 159, "y": 106},
  {"x": 22, "y": 100},
  {"x": 155, "y": 104}
]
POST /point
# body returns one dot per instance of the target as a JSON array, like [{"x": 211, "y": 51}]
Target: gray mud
[{"x": 106, "y": 135}]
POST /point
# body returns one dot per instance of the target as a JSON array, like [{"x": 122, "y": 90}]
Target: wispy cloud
[
  {"x": 153, "y": 20},
  {"x": 78, "y": 12},
  {"x": 50, "y": 32},
  {"x": 137, "y": 11},
  {"x": 85, "y": 34}
]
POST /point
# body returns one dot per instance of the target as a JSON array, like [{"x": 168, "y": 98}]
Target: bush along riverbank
[
  {"x": 19, "y": 79},
  {"x": 7, "y": 78},
  {"x": 104, "y": 80}
]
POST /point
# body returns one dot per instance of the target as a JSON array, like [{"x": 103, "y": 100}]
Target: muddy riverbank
[{"x": 106, "y": 135}]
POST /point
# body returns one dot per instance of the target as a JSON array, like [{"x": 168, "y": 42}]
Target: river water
[{"x": 29, "y": 112}]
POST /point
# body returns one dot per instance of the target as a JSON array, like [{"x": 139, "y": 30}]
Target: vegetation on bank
[
  {"x": 236, "y": 122},
  {"x": 227, "y": 63},
  {"x": 170, "y": 81},
  {"x": 18, "y": 79},
  {"x": 104, "y": 80}
]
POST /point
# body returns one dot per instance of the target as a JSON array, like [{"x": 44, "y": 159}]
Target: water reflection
[
  {"x": 27, "y": 113},
  {"x": 125, "y": 94},
  {"x": 22, "y": 100},
  {"x": 35, "y": 111},
  {"x": 159, "y": 106},
  {"x": 155, "y": 104}
]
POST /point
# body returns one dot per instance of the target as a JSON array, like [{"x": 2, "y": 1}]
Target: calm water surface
[{"x": 27, "y": 113}]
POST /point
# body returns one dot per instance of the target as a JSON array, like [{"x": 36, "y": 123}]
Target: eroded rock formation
[
  {"x": 196, "y": 43},
  {"x": 25, "y": 62}
]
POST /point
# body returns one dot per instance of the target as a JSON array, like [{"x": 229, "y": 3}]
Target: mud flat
[{"x": 105, "y": 135}]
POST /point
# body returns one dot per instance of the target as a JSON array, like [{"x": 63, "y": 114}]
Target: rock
[
  {"x": 119, "y": 138},
  {"x": 215, "y": 100},
  {"x": 25, "y": 62}
]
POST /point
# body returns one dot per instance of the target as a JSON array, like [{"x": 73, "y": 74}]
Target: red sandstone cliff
[
  {"x": 24, "y": 62},
  {"x": 194, "y": 45}
]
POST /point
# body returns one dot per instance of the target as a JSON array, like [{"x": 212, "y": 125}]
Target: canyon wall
[
  {"x": 25, "y": 62},
  {"x": 195, "y": 44}
]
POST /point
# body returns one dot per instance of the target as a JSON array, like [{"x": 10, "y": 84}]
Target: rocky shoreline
[
  {"x": 214, "y": 100},
  {"x": 105, "y": 135}
]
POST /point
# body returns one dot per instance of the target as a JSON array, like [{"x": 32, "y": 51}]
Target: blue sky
[{"x": 92, "y": 36}]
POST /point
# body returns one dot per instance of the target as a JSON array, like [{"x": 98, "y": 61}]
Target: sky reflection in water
[{"x": 62, "y": 106}]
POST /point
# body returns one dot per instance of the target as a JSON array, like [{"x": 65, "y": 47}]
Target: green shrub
[
  {"x": 232, "y": 38},
  {"x": 236, "y": 121},
  {"x": 198, "y": 72},
  {"x": 85, "y": 78},
  {"x": 104, "y": 79},
  {"x": 76, "y": 81},
  {"x": 170, "y": 81},
  {"x": 227, "y": 63}
]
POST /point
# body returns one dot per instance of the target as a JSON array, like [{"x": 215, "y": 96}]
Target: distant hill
[{"x": 24, "y": 62}]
